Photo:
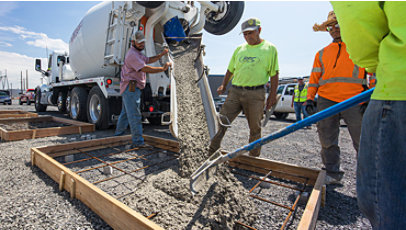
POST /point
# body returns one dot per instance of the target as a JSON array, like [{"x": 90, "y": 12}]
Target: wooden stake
[
  {"x": 61, "y": 181},
  {"x": 34, "y": 132},
  {"x": 73, "y": 191}
]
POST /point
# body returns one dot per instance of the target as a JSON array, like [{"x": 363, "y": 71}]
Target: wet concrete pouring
[{"x": 155, "y": 182}]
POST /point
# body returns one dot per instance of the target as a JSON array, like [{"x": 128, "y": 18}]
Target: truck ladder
[{"x": 116, "y": 41}]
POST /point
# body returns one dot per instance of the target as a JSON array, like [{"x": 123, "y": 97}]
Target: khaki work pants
[
  {"x": 252, "y": 102},
  {"x": 329, "y": 129}
]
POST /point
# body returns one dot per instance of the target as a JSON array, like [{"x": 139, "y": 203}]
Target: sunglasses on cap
[{"x": 330, "y": 28}]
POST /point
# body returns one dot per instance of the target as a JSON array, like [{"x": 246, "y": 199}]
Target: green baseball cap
[{"x": 250, "y": 24}]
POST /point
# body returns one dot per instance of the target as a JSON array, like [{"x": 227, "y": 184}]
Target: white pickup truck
[{"x": 284, "y": 106}]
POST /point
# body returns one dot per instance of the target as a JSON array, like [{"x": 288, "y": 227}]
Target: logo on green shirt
[{"x": 246, "y": 59}]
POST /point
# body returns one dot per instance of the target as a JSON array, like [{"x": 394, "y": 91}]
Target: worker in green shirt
[
  {"x": 250, "y": 67},
  {"x": 375, "y": 34}
]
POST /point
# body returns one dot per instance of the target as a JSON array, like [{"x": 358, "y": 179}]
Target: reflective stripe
[
  {"x": 321, "y": 61},
  {"x": 344, "y": 80},
  {"x": 317, "y": 70},
  {"x": 313, "y": 85},
  {"x": 355, "y": 71}
]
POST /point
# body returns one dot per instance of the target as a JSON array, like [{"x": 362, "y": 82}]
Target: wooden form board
[
  {"x": 120, "y": 216},
  {"x": 74, "y": 128},
  {"x": 16, "y": 113}
]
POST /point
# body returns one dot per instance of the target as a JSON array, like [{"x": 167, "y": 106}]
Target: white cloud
[
  {"x": 40, "y": 40},
  {"x": 5, "y": 44},
  {"x": 14, "y": 63}
]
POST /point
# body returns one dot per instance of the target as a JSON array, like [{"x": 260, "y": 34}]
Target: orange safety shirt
[{"x": 334, "y": 76}]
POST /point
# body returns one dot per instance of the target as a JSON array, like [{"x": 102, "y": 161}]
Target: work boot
[{"x": 331, "y": 180}]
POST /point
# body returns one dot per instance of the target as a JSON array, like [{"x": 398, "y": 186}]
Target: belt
[{"x": 249, "y": 87}]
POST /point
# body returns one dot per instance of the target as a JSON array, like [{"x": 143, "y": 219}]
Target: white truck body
[{"x": 86, "y": 82}]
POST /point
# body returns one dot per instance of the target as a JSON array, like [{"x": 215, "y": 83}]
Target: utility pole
[
  {"x": 26, "y": 81},
  {"x": 21, "y": 82}
]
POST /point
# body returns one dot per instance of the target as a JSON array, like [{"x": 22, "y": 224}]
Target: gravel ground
[{"x": 31, "y": 200}]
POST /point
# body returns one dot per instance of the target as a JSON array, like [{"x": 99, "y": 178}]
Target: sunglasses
[{"x": 330, "y": 28}]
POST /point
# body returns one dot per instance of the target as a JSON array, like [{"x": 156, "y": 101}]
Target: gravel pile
[{"x": 31, "y": 200}]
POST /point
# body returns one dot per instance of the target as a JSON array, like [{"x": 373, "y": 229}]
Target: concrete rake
[{"x": 203, "y": 175}]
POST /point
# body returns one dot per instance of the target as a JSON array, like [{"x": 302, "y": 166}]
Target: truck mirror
[{"x": 38, "y": 64}]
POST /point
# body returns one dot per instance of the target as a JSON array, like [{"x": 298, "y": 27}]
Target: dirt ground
[
  {"x": 31, "y": 200},
  {"x": 31, "y": 125}
]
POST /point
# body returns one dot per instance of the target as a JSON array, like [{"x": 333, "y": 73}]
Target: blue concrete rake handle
[{"x": 218, "y": 158}]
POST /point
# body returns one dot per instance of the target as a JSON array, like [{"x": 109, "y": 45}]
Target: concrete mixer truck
[{"x": 85, "y": 83}]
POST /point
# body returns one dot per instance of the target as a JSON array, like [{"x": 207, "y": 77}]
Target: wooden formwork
[
  {"x": 121, "y": 216},
  {"x": 16, "y": 113},
  {"x": 75, "y": 127}
]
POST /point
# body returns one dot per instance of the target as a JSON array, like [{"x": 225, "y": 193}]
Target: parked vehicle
[
  {"x": 27, "y": 97},
  {"x": 284, "y": 106},
  {"x": 86, "y": 83},
  {"x": 5, "y": 97}
]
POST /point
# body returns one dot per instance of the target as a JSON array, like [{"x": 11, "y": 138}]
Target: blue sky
[{"x": 27, "y": 28}]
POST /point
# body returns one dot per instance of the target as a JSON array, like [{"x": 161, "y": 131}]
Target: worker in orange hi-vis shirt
[{"x": 335, "y": 78}]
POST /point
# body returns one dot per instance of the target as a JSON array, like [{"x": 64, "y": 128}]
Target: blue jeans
[
  {"x": 299, "y": 109},
  {"x": 131, "y": 115},
  {"x": 381, "y": 169}
]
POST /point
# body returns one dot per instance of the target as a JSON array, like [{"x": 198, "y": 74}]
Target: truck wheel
[
  {"x": 20, "y": 102},
  {"x": 281, "y": 116},
  {"x": 28, "y": 102},
  {"x": 154, "y": 120},
  {"x": 61, "y": 102},
  {"x": 223, "y": 22},
  {"x": 37, "y": 100},
  {"x": 150, "y": 4},
  {"x": 97, "y": 108},
  {"x": 78, "y": 104},
  {"x": 68, "y": 102}
]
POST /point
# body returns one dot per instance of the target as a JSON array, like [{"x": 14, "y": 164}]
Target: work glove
[
  {"x": 310, "y": 107},
  {"x": 363, "y": 107}
]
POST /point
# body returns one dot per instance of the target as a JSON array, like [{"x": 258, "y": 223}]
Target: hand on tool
[
  {"x": 310, "y": 107},
  {"x": 270, "y": 101},
  {"x": 167, "y": 65},
  {"x": 165, "y": 51},
  {"x": 221, "y": 89}
]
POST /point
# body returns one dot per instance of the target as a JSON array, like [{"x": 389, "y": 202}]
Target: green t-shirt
[{"x": 252, "y": 65}]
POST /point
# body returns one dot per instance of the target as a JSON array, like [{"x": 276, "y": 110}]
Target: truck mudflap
[{"x": 191, "y": 47}]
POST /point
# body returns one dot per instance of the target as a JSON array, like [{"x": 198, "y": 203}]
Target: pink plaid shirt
[{"x": 131, "y": 70}]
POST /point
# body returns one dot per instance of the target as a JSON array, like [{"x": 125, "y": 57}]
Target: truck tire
[
  {"x": 61, "y": 102},
  {"x": 68, "y": 102},
  {"x": 28, "y": 102},
  {"x": 154, "y": 120},
  {"x": 222, "y": 23},
  {"x": 78, "y": 103},
  {"x": 281, "y": 116},
  {"x": 98, "y": 109},
  {"x": 37, "y": 100},
  {"x": 20, "y": 102},
  {"x": 150, "y": 4}
]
